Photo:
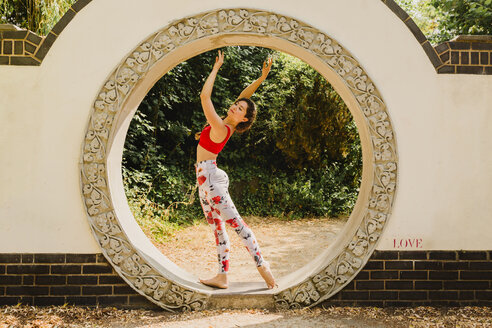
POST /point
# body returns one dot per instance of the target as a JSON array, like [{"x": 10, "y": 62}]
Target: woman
[{"x": 213, "y": 182}]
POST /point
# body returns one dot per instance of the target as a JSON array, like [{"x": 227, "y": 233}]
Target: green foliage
[
  {"x": 315, "y": 127},
  {"x": 304, "y": 193},
  {"x": 442, "y": 20},
  {"x": 423, "y": 14},
  {"x": 156, "y": 220},
  {"x": 317, "y": 174},
  {"x": 458, "y": 17},
  {"x": 38, "y": 16}
]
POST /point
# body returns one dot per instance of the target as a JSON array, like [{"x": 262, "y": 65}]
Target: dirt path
[
  {"x": 287, "y": 245},
  {"x": 342, "y": 317}
]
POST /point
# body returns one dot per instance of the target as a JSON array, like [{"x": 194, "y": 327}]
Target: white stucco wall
[{"x": 441, "y": 122}]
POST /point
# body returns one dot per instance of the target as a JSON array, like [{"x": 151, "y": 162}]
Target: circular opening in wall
[
  {"x": 122, "y": 241},
  {"x": 294, "y": 177}
]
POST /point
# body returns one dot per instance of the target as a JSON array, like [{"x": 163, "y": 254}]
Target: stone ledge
[
  {"x": 9, "y": 27},
  {"x": 473, "y": 38}
]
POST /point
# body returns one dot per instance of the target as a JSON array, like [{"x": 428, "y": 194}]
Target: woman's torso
[{"x": 203, "y": 154}]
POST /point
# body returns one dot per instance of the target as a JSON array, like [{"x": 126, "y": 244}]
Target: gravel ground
[
  {"x": 287, "y": 245},
  {"x": 357, "y": 317}
]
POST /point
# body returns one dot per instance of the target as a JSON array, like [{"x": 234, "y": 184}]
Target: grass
[{"x": 155, "y": 220}]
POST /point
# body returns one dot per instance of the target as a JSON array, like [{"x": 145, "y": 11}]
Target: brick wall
[
  {"x": 467, "y": 55},
  {"x": 390, "y": 278},
  {"x": 410, "y": 278},
  {"x": 19, "y": 47},
  {"x": 56, "y": 279}
]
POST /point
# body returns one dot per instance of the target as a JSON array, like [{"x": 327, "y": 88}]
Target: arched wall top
[{"x": 458, "y": 56}]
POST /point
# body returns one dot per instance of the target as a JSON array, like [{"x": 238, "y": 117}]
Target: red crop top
[{"x": 208, "y": 144}]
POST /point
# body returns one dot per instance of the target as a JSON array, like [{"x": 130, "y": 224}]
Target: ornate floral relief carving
[
  {"x": 122, "y": 255},
  {"x": 298, "y": 297},
  {"x": 137, "y": 272}
]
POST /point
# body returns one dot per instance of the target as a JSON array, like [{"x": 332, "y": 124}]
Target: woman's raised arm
[
  {"x": 208, "y": 107},
  {"x": 250, "y": 89}
]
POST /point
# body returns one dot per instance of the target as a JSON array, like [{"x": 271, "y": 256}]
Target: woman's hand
[
  {"x": 250, "y": 89},
  {"x": 219, "y": 60},
  {"x": 267, "y": 65}
]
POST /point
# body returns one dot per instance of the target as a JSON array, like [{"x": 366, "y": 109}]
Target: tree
[
  {"x": 315, "y": 125},
  {"x": 442, "y": 20},
  {"x": 459, "y": 17},
  {"x": 423, "y": 14},
  {"x": 38, "y": 16}
]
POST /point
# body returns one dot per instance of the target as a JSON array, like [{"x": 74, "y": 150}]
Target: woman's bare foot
[
  {"x": 267, "y": 275},
  {"x": 219, "y": 281}
]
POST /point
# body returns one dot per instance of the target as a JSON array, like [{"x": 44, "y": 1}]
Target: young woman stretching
[{"x": 213, "y": 182}]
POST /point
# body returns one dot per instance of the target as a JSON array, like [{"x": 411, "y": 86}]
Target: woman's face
[{"x": 238, "y": 111}]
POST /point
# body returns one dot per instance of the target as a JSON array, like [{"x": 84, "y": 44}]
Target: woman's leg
[
  {"x": 221, "y": 241},
  {"x": 218, "y": 207},
  {"x": 248, "y": 238},
  {"x": 225, "y": 208},
  {"x": 221, "y": 203},
  {"x": 221, "y": 238}
]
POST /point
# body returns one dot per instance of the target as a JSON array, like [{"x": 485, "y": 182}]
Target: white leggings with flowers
[{"x": 213, "y": 184}]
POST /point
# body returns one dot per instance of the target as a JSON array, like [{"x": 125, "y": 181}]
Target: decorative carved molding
[{"x": 105, "y": 225}]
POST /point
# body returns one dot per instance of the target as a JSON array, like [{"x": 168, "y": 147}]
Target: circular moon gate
[{"x": 135, "y": 74}]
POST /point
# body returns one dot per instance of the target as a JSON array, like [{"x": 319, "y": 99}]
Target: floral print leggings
[{"x": 213, "y": 184}]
